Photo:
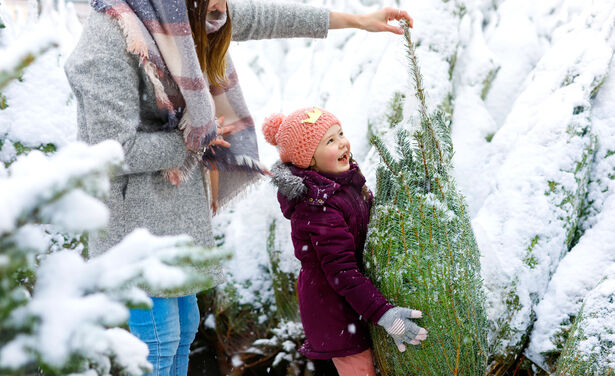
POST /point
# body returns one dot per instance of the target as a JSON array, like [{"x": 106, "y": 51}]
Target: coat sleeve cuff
[{"x": 380, "y": 312}]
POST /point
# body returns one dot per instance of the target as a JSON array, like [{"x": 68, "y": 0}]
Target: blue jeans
[{"x": 168, "y": 329}]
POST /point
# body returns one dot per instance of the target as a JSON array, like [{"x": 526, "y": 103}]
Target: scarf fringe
[
  {"x": 185, "y": 125},
  {"x": 186, "y": 169},
  {"x": 138, "y": 47},
  {"x": 193, "y": 159},
  {"x": 182, "y": 174},
  {"x": 237, "y": 163},
  {"x": 241, "y": 163},
  {"x": 151, "y": 70},
  {"x": 240, "y": 193}
]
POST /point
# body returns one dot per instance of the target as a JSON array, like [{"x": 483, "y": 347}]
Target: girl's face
[
  {"x": 333, "y": 152},
  {"x": 216, "y": 5}
]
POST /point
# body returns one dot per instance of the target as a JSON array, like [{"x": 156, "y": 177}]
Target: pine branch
[{"x": 426, "y": 121}]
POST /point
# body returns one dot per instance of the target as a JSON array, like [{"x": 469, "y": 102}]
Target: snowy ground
[{"x": 532, "y": 101}]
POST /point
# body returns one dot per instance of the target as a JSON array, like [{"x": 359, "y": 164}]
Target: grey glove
[{"x": 396, "y": 321}]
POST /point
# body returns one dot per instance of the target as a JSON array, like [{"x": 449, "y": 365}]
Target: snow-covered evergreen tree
[
  {"x": 538, "y": 174},
  {"x": 31, "y": 58},
  {"x": 71, "y": 321},
  {"x": 60, "y": 314},
  {"x": 21, "y": 52},
  {"x": 589, "y": 350},
  {"x": 421, "y": 251},
  {"x": 582, "y": 268}
]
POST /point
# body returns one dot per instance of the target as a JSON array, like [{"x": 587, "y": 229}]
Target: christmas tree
[
  {"x": 589, "y": 349},
  {"x": 24, "y": 53},
  {"x": 421, "y": 251}
]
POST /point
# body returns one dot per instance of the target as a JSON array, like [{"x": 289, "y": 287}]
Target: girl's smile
[{"x": 332, "y": 154}]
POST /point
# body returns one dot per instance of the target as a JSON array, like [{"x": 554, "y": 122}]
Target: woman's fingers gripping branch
[{"x": 377, "y": 21}]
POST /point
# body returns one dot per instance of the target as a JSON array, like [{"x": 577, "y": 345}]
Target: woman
[{"x": 137, "y": 78}]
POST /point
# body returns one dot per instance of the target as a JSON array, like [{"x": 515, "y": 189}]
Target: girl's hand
[
  {"x": 396, "y": 322},
  {"x": 376, "y": 21}
]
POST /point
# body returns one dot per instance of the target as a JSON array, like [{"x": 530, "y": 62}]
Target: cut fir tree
[{"x": 421, "y": 252}]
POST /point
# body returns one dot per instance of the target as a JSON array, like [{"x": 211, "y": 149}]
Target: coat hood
[
  {"x": 296, "y": 184},
  {"x": 289, "y": 185}
]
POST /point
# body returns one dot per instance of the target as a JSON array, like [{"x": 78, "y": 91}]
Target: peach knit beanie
[{"x": 298, "y": 134}]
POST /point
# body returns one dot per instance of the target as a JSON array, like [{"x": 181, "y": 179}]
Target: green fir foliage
[
  {"x": 46, "y": 148},
  {"x": 391, "y": 119},
  {"x": 396, "y": 115},
  {"x": 488, "y": 81},
  {"x": 237, "y": 327},
  {"x": 421, "y": 252},
  {"x": 572, "y": 362},
  {"x": 284, "y": 284},
  {"x": 589, "y": 348},
  {"x": 265, "y": 332},
  {"x": 61, "y": 241},
  {"x": 7, "y": 76}
]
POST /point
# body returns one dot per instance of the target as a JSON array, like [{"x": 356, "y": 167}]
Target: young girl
[{"x": 323, "y": 193}]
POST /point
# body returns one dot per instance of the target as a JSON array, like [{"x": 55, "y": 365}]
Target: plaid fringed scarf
[{"x": 158, "y": 32}]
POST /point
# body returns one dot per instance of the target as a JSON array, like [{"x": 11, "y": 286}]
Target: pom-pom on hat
[{"x": 298, "y": 134}]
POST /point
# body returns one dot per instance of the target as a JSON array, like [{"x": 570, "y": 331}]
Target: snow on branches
[{"x": 69, "y": 322}]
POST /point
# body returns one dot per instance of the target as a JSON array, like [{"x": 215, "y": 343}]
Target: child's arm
[{"x": 335, "y": 248}]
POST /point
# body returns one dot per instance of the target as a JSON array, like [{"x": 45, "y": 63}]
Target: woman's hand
[
  {"x": 219, "y": 140},
  {"x": 376, "y": 21}
]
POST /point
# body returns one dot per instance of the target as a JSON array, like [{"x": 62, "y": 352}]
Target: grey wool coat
[{"x": 115, "y": 100}]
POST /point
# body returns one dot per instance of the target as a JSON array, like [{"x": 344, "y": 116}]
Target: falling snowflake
[{"x": 352, "y": 328}]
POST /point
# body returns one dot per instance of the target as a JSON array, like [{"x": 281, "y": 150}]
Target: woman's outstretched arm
[
  {"x": 267, "y": 19},
  {"x": 375, "y": 21}
]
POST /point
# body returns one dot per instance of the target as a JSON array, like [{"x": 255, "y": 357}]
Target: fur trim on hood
[{"x": 288, "y": 184}]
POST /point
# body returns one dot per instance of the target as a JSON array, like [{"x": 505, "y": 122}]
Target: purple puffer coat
[{"x": 329, "y": 219}]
